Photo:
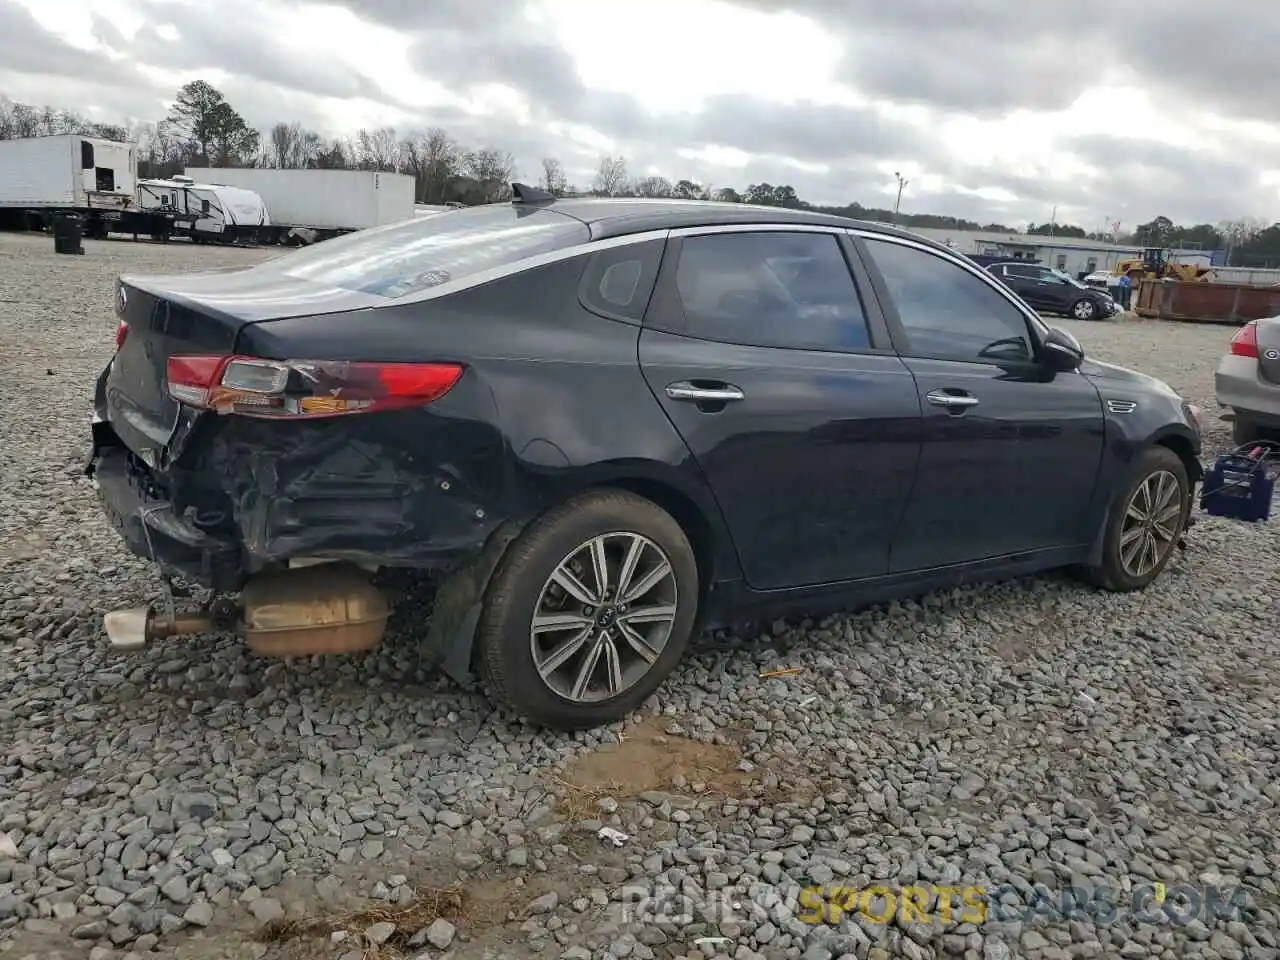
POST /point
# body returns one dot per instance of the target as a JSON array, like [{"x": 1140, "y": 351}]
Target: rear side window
[
  {"x": 779, "y": 289},
  {"x": 414, "y": 256},
  {"x": 617, "y": 283}
]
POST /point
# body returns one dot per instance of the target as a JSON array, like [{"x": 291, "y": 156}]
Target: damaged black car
[{"x": 605, "y": 425}]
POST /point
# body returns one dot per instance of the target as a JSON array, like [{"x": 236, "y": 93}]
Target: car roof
[{"x": 618, "y": 216}]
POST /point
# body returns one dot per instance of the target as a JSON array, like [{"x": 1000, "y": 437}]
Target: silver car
[{"x": 1248, "y": 381}]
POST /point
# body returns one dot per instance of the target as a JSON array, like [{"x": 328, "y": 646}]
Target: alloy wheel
[
  {"x": 1150, "y": 524},
  {"x": 1084, "y": 310},
  {"x": 603, "y": 617}
]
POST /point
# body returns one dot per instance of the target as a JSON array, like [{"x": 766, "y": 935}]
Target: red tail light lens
[
  {"x": 122, "y": 331},
  {"x": 304, "y": 389},
  {"x": 1245, "y": 343}
]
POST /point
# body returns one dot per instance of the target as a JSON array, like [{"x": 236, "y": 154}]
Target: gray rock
[
  {"x": 265, "y": 909},
  {"x": 199, "y": 914},
  {"x": 177, "y": 890},
  {"x": 544, "y": 904},
  {"x": 441, "y": 933}
]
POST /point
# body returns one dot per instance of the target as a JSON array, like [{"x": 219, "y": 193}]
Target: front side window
[
  {"x": 416, "y": 255},
  {"x": 771, "y": 289},
  {"x": 948, "y": 313}
]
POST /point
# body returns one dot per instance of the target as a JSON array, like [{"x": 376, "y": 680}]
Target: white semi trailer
[
  {"x": 306, "y": 206},
  {"x": 41, "y": 177}
]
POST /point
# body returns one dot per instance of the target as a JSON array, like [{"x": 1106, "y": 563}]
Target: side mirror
[{"x": 1062, "y": 350}]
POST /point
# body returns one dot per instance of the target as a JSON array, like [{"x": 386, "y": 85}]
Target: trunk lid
[
  {"x": 1269, "y": 349},
  {"x": 197, "y": 314}
]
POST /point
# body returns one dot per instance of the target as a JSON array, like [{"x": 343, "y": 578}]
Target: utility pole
[
  {"x": 898, "y": 202},
  {"x": 1053, "y": 220}
]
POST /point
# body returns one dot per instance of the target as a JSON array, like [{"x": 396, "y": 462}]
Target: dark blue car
[{"x": 603, "y": 425}]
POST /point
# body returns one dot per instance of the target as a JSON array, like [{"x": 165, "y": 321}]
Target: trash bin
[{"x": 68, "y": 231}]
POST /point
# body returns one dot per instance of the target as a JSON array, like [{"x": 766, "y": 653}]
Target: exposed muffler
[{"x": 330, "y": 608}]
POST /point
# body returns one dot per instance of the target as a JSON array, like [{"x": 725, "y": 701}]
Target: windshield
[
  {"x": 1067, "y": 277},
  {"x": 415, "y": 255}
]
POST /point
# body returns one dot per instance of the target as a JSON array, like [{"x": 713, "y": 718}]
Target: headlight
[{"x": 1193, "y": 413}]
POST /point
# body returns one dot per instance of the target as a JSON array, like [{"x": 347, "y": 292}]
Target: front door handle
[
  {"x": 953, "y": 401},
  {"x": 717, "y": 393}
]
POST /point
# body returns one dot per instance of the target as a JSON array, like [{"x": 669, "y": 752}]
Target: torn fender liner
[{"x": 455, "y": 613}]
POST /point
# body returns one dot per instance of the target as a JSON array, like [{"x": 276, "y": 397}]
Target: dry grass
[
  {"x": 450, "y": 903},
  {"x": 577, "y": 802}
]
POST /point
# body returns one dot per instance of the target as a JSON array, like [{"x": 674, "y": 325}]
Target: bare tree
[
  {"x": 654, "y": 187},
  {"x": 432, "y": 159},
  {"x": 554, "y": 180},
  {"x": 281, "y": 145},
  {"x": 291, "y": 147},
  {"x": 1239, "y": 232},
  {"x": 335, "y": 155},
  {"x": 493, "y": 169},
  {"x": 379, "y": 149},
  {"x": 440, "y": 158},
  {"x": 611, "y": 177}
]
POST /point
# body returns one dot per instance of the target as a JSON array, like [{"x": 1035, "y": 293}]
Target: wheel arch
[
  {"x": 452, "y": 641},
  {"x": 1184, "y": 449}
]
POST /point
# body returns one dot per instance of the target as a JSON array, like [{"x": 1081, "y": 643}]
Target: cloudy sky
[{"x": 1115, "y": 109}]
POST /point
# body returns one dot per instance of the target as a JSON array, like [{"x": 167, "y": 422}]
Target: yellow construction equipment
[{"x": 1155, "y": 264}]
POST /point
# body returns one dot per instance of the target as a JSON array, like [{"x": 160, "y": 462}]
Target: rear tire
[
  {"x": 588, "y": 654},
  {"x": 1135, "y": 551},
  {"x": 1245, "y": 431}
]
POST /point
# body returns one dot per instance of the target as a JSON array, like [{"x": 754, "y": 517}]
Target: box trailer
[
  {"x": 305, "y": 206},
  {"x": 41, "y": 177}
]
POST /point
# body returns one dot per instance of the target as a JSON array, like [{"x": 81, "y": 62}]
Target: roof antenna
[{"x": 523, "y": 193}]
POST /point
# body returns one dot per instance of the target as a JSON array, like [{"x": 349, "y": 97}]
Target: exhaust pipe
[
  {"x": 332, "y": 608},
  {"x": 135, "y": 627}
]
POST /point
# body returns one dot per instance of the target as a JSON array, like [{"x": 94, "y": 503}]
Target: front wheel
[
  {"x": 1145, "y": 524},
  {"x": 589, "y": 611},
  {"x": 1084, "y": 309}
]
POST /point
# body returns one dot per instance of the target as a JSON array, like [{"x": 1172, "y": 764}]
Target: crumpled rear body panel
[{"x": 409, "y": 488}]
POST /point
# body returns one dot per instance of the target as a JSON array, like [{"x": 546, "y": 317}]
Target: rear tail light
[
  {"x": 1245, "y": 342},
  {"x": 122, "y": 331},
  {"x": 298, "y": 389}
]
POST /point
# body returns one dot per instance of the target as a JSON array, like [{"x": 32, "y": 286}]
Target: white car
[{"x": 1248, "y": 381}]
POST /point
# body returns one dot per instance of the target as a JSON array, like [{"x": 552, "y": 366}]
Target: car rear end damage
[
  {"x": 239, "y": 473},
  {"x": 323, "y": 408}
]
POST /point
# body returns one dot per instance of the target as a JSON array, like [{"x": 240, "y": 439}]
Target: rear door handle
[
  {"x": 940, "y": 398},
  {"x": 719, "y": 393}
]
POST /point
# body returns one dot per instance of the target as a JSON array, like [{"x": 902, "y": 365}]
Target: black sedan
[
  {"x": 604, "y": 425},
  {"x": 1052, "y": 291}
]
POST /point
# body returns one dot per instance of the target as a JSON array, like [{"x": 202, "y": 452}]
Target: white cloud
[{"x": 993, "y": 112}]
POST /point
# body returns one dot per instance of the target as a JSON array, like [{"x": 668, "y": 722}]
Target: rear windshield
[{"x": 410, "y": 257}]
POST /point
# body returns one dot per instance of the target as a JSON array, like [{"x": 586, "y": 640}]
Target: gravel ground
[{"x": 1028, "y": 737}]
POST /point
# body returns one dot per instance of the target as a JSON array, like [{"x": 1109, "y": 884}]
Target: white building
[{"x": 1069, "y": 254}]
